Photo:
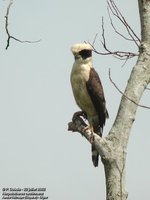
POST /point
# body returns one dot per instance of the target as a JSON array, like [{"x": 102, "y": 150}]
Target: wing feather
[{"x": 96, "y": 93}]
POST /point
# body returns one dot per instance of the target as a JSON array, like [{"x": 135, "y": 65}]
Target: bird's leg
[{"x": 92, "y": 135}]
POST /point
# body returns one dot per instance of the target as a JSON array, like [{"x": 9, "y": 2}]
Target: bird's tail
[{"x": 95, "y": 156}]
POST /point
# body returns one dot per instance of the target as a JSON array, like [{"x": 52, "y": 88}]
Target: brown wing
[{"x": 96, "y": 93}]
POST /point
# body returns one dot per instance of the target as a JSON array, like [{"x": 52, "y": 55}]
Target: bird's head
[{"x": 82, "y": 52}]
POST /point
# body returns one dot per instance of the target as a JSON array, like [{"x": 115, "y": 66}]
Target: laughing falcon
[{"x": 88, "y": 91}]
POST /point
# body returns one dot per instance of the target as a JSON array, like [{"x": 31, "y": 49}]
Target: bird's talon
[{"x": 78, "y": 114}]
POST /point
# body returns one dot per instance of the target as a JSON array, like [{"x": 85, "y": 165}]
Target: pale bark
[{"x": 113, "y": 147}]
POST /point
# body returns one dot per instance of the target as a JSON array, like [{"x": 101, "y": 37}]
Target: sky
[{"x": 36, "y": 101}]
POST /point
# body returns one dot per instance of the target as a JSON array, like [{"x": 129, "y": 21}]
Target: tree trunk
[
  {"x": 115, "y": 175},
  {"x": 113, "y": 147},
  {"x": 119, "y": 134}
]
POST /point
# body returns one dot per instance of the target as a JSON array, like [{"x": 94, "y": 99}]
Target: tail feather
[{"x": 95, "y": 156}]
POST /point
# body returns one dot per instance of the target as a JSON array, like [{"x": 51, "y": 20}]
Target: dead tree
[{"x": 113, "y": 147}]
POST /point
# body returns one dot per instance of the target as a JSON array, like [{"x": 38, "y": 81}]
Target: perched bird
[{"x": 88, "y": 91}]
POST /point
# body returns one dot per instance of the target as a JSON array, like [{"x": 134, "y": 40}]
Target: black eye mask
[{"x": 85, "y": 53}]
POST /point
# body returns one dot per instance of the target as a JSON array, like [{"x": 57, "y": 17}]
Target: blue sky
[{"x": 36, "y": 103}]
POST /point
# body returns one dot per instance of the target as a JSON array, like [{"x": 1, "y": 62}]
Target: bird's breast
[{"x": 79, "y": 77}]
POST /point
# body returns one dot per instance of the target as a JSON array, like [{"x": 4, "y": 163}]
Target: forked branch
[
  {"x": 117, "y": 13},
  {"x": 7, "y": 30},
  {"x": 122, "y": 55}
]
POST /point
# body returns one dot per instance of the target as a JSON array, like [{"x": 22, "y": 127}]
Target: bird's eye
[{"x": 77, "y": 56}]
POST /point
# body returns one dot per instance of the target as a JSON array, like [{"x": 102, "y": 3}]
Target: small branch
[
  {"x": 94, "y": 39},
  {"x": 122, "y": 55},
  {"x": 112, "y": 24},
  {"x": 116, "y": 12},
  {"x": 147, "y": 88},
  {"x": 147, "y": 107},
  {"x": 7, "y": 30},
  {"x": 119, "y": 54}
]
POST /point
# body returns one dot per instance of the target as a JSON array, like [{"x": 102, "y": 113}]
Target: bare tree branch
[
  {"x": 112, "y": 24},
  {"x": 94, "y": 39},
  {"x": 7, "y": 30},
  {"x": 147, "y": 107},
  {"x": 122, "y": 55},
  {"x": 116, "y": 12},
  {"x": 147, "y": 88},
  {"x": 119, "y": 54}
]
